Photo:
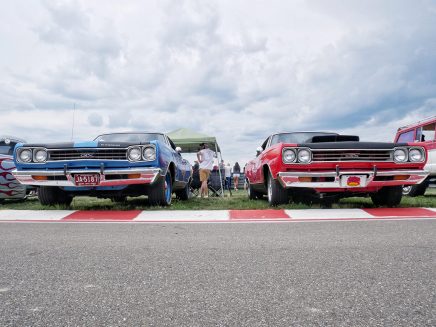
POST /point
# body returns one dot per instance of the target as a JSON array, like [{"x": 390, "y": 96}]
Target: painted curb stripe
[
  {"x": 328, "y": 214},
  {"x": 269, "y": 215},
  {"x": 400, "y": 212},
  {"x": 29, "y": 215},
  {"x": 102, "y": 215},
  {"x": 258, "y": 214},
  {"x": 183, "y": 215}
]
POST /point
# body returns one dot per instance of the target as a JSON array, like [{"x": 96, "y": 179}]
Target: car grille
[
  {"x": 87, "y": 154},
  {"x": 352, "y": 155}
]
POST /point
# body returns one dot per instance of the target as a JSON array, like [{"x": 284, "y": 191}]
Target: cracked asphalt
[{"x": 380, "y": 273}]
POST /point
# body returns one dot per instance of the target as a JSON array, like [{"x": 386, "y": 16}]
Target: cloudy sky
[{"x": 238, "y": 70}]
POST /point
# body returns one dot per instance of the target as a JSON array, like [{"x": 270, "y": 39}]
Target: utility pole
[{"x": 72, "y": 128}]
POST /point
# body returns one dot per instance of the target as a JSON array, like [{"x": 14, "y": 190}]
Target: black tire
[
  {"x": 415, "y": 190},
  {"x": 2, "y": 200},
  {"x": 389, "y": 196},
  {"x": 276, "y": 193},
  {"x": 52, "y": 195},
  {"x": 183, "y": 194},
  {"x": 252, "y": 193},
  {"x": 158, "y": 193}
]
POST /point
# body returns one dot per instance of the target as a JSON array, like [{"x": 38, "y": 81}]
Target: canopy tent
[{"x": 190, "y": 141}]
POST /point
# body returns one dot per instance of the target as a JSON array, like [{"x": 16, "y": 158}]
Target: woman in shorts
[{"x": 236, "y": 174}]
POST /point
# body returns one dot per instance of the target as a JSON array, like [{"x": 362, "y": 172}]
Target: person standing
[
  {"x": 236, "y": 174},
  {"x": 228, "y": 175},
  {"x": 205, "y": 157}
]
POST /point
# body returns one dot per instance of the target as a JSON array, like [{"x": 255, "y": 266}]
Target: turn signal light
[
  {"x": 305, "y": 179},
  {"x": 401, "y": 177},
  {"x": 134, "y": 176},
  {"x": 39, "y": 178}
]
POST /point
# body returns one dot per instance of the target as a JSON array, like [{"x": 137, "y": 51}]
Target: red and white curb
[{"x": 216, "y": 216}]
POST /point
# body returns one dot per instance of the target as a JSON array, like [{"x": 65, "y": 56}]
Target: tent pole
[{"x": 219, "y": 169}]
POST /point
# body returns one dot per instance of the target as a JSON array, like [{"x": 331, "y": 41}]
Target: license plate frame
[
  {"x": 87, "y": 179},
  {"x": 353, "y": 181}
]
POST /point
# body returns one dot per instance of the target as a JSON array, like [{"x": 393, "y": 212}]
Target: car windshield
[
  {"x": 130, "y": 137},
  {"x": 6, "y": 149},
  {"x": 298, "y": 137}
]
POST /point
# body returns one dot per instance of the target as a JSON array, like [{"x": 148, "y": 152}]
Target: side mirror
[
  {"x": 178, "y": 149},
  {"x": 259, "y": 151}
]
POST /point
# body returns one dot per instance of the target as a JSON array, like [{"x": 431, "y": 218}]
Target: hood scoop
[{"x": 334, "y": 138}]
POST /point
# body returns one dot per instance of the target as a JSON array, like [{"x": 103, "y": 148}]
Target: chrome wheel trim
[
  {"x": 270, "y": 189},
  {"x": 407, "y": 189}
]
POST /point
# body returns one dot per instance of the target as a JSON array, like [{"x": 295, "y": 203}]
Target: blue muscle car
[
  {"x": 112, "y": 166},
  {"x": 10, "y": 188}
]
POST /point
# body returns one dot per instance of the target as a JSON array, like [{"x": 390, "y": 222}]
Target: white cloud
[{"x": 238, "y": 70}]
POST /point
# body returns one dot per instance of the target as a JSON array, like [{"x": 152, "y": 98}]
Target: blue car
[{"x": 112, "y": 166}]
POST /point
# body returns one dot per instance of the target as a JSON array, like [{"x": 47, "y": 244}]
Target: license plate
[
  {"x": 87, "y": 179},
  {"x": 353, "y": 181}
]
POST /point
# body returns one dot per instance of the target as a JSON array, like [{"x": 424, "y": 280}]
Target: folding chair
[
  {"x": 214, "y": 184},
  {"x": 195, "y": 183}
]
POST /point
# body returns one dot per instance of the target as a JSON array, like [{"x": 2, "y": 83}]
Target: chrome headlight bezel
[
  {"x": 138, "y": 152},
  {"x": 289, "y": 150},
  {"x": 35, "y": 155},
  {"x": 420, "y": 151},
  {"x": 147, "y": 155},
  {"x": 24, "y": 150},
  {"x": 406, "y": 155},
  {"x": 308, "y": 155}
]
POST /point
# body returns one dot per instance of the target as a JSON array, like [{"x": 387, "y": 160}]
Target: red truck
[
  {"x": 423, "y": 131},
  {"x": 324, "y": 167}
]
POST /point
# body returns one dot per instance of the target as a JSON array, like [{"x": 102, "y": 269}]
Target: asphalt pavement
[{"x": 367, "y": 273}]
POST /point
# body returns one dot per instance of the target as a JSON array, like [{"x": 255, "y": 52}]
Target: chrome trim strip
[
  {"x": 416, "y": 177},
  {"x": 354, "y": 172},
  {"x": 87, "y": 171},
  {"x": 25, "y": 177}
]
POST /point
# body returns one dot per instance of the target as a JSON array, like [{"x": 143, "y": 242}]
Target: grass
[{"x": 239, "y": 200}]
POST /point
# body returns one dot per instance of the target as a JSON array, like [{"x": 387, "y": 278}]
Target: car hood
[{"x": 88, "y": 144}]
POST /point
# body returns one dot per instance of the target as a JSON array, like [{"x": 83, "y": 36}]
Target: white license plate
[{"x": 87, "y": 179}]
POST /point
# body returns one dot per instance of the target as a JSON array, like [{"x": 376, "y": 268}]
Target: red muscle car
[{"x": 323, "y": 167}]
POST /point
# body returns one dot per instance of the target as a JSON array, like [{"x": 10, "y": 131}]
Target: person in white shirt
[
  {"x": 205, "y": 158},
  {"x": 228, "y": 175}
]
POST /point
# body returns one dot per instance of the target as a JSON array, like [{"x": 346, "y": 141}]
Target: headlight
[
  {"x": 400, "y": 155},
  {"x": 416, "y": 155},
  {"x": 289, "y": 155},
  {"x": 40, "y": 155},
  {"x": 149, "y": 153},
  {"x": 304, "y": 156},
  {"x": 25, "y": 155},
  {"x": 134, "y": 153}
]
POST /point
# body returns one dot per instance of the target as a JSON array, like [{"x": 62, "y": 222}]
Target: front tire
[
  {"x": 415, "y": 190},
  {"x": 52, "y": 195},
  {"x": 160, "y": 193},
  {"x": 184, "y": 193},
  {"x": 389, "y": 196},
  {"x": 276, "y": 193}
]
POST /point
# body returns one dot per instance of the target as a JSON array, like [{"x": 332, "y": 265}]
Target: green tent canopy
[{"x": 190, "y": 141}]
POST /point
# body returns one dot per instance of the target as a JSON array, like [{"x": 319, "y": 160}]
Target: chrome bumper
[
  {"x": 291, "y": 179},
  {"x": 146, "y": 176}
]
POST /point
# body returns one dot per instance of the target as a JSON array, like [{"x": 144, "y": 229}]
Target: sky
[{"x": 238, "y": 70}]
